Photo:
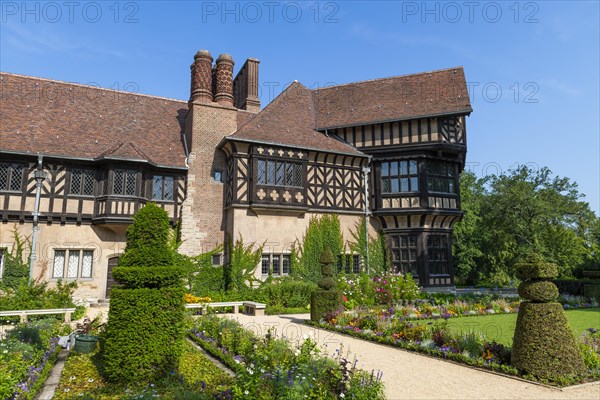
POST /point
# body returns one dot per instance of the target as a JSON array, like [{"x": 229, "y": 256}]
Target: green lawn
[{"x": 502, "y": 327}]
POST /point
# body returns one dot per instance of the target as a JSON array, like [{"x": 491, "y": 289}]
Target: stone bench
[
  {"x": 205, "y": 306},
  {"x": 68, "y": 312},
  {"x": 254, "y": 308}
]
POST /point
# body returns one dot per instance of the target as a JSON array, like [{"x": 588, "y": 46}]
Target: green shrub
[
  {"x": 592, "y": 291},
  {"x": 574, "y": 287},
  {"x": 239, "y": 271},
  {"x": 325, "y": 300},
  {"x": 543, "y": 344},
  {"x": 143, "y": 336},
  {"x": 34, "y": 296},
  {"x": 148, "y": 277},
  {"x": 538, "y": 291},
  {"x": 16, "y": 266},
  {"x": 205, "y": 277},
  {"x": 288, "y": 293},
  {"x": 145, "y": 329},
  {"x": 535, "y": 269}
]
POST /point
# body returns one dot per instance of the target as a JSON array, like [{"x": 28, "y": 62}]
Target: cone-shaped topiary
[
  {"x": 325, "y": 299},
  {"x": 145, "y": 329},
  {"x": 543, "y": 344}
]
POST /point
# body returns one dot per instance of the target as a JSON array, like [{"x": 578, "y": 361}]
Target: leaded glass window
[
  {"x": 82, "y": 182},
  {"x": 72, "y": 264},
  {"x": 404, "y": 253},
  {"x": 124, "y": 182},
  {"x": 278, "y": 173},
  {"x": 162, "y": 187},
  {"x": 11, "y": 176},
  {"x": 59, "y": 264}
]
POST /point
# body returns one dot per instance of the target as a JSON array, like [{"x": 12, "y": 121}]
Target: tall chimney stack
[
  {"x": 245, "y": 87},
  {"x": 201, "y": 90},
  {"x": 224, "y": 90}
]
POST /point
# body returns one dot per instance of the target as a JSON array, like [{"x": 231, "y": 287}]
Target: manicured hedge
[
  {"x": 144, "y": 334},
  {"x": 536, "y": 271},
  {"x": 543, "y": 345},
  {"x": 574, "y": 287},
  {"x": 538, "y": 291},
  {"x": 149, "y": 277}
]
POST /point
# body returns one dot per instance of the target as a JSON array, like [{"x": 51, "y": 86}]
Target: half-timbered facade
[{"x": 223, "y": 168}]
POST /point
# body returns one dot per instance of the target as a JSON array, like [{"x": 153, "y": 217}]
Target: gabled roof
[
  {"x": 290, "y": 120},
  {"x": 71, "y": 120},
  {"x": 403, "y": 97}
]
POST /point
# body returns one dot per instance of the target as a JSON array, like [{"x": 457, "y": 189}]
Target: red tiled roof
[
  {"x": 290, "y": 120},
  {"x": 71, "y": 120},
  {"x": 390, "y": 99}
]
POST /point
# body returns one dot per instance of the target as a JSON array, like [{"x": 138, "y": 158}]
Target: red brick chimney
[
  {"x": 245, "y": 87},
  {"x": 224, "y": 88},
  {"x": 201, "y": 90}
]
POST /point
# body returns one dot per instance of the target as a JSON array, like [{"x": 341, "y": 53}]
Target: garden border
[{"x": 483, "y": 369}]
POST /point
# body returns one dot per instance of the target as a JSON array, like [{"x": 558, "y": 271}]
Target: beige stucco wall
[
  {"x": 279, "y": 231},
  {"x": 104, "y": 242}
]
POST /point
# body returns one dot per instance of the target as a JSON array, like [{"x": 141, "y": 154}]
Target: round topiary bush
[
  {"x": 325, "y": 299},
  {"x": 538, "y": 291},
  {"x": 543, "y": 344}
]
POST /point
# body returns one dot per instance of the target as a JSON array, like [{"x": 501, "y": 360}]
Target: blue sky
[{"x": 532, "y": 66}]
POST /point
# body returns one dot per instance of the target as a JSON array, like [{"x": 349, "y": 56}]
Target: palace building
[{"x": 223, "y": 168}]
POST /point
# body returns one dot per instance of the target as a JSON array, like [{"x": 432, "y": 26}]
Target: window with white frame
[
  {"x": 72, "y": 264},
  {"x": 276, "y": 264}
]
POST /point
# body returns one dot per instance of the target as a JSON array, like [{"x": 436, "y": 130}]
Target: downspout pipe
[
  {"x": 366, "y": 171},
  {"x": 39, "y": 176}
]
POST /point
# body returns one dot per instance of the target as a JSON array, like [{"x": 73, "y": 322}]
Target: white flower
[
  {"x": 91, "y": 380},
  {"x": 72, "y": 378},
  {"x": 246, "y": 392},
  {"x": 342, "y": 395},
  {"x": 67, "y": 390}
]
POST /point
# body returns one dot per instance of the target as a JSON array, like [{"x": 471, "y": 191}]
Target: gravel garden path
[{"x": 412, "y": 376}]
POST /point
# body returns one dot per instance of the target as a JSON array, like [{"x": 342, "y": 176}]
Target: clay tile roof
[
  {"x": 401, "y": 97},
  {"x": 290, "y": 120},
  {"x": 71, "y": 120}
]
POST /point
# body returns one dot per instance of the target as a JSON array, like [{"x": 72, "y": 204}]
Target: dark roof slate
[
  {"x": 72, "y": 120},
  {"x": 390, "y": 99},
  {"x": 290, "y": 120}
]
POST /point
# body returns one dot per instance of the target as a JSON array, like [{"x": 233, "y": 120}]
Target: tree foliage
[
  {"x": 509, "y": 215},
  {"x": 243, "y": 259}
]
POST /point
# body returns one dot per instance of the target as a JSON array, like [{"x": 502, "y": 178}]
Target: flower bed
[
  {"x": 27, "y": 357},
  {"x": 435, "y": 339},
  {"x": 269, "y": 368},
  {"x": 196, "y": 378},
  {"x": 449, "y": 306}
]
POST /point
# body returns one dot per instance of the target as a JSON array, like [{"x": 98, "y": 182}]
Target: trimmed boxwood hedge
[
  {"x": 543, "y": 344},
  {"x": 144, "y": 334},
  {"x": 149, "y": 277},
  {"x": 536, "y": 271},
  {"x": 145, "y": 329},
  {"x": 538, "y": 291}
]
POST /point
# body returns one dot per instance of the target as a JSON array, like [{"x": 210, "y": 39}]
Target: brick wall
[{"x": 203, "y": 223}]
